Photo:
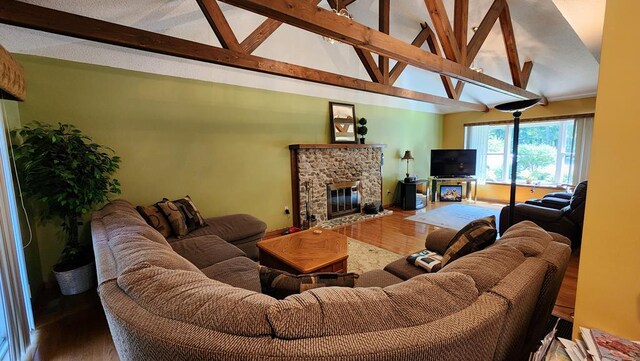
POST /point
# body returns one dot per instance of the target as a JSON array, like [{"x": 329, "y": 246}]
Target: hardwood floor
[
  {"x": 75, "y": 328},
  {"x": 72, "y": 328}
]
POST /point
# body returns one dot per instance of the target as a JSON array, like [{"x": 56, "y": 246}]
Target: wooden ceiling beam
[
  {"x": 258, "y": 36},
  {"x": 460, "y": 26},
  {"x": 262, "y": 33},
  {"x": 442, "y": 25},
  {"x": 219, "y": 24},
  {"x": 383, "y": 26},
  {"x": 370, "y": 65},
  {"x": 510, "y": 44},
  {"x": 399, "y": 67},
  {"x": 483, "y": 30},
  {"x": 58, "y": 22},
  {"x": 326, "y": 23},
  {"x": 480, "y": 36},
  {"x": 365, "y": 57},
  {"x": 526, "y": 72},
  {"x": 433, "y": 46}
]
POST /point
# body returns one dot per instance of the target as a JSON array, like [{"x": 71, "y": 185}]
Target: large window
[{"x": 546, "y": 151}]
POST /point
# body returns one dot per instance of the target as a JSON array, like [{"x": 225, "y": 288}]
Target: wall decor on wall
[{"x": 343, "y": 122}]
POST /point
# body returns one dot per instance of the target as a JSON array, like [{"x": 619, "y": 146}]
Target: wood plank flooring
[{"x": 74, "y": 327}]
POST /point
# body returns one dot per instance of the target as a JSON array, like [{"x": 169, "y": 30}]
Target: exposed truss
[{"x": 450, "y": 62}]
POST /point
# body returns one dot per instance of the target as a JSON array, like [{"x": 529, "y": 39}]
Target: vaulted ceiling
[{"x": 559, "y": 38}]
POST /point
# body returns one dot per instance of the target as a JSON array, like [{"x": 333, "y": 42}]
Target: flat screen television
[{"x": 453, "y": 162}]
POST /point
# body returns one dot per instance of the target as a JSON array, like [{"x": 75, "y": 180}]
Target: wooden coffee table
[{"x": 305, "y": 252}]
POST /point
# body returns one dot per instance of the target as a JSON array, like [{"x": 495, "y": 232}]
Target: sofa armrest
[
  {"x": 438, "y": 240},
  {"x": 527, "y": 212},
  {"x": 563, "y": 195},
  {"x": 536, "y": 213},
  {"x": 555, "y": 202}
]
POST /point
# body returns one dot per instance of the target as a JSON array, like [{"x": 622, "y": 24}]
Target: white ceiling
[{"x": 564, "y": 67}]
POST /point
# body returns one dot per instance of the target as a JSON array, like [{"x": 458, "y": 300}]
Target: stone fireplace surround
[{"x": 317, "y": 165}]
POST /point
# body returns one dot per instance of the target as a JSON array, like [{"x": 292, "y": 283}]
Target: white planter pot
[{"x": 76, "y": 280}]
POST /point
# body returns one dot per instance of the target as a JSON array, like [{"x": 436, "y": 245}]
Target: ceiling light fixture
[
  {"x": 341, "y": 12},
  {"x": 473, "y": 63}
]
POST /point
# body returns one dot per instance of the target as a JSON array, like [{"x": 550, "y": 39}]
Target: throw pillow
[
  {"x": 474, "y": 236},
  {"x": 280, "y": 284},
  {"x": 192, "y": 216},
  {"x": 175, "y": 217},
  {"x": 430, "y": 261},
  {"x": 156, "y": 219}
]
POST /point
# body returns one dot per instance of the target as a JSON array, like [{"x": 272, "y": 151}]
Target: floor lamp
[{"x": 516, "y": 108}]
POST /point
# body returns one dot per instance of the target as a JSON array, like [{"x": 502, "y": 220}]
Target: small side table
[{"x": 408, "y": 193}]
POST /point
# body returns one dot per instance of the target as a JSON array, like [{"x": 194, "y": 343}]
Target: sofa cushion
[
  {"x": 377, "y": 278},
  {"x": 280, "y": 284},
  {"x": 156, "y": 219},
  {"x": 174, "y": 216},
  {"x": 120, "y": 207},
  {"x": 145, "y": 231},
  {"x": 527, "y": 237},
  {"x": 487, "y": 267},
  {"x": 329, "y": 311},
  {"x": 232, "y": 228},
  {"x": 476, "y": 235},
  {"x": 439, "y": 240},
  {"x": 195, "y": 299},
  {"x": 132, "y": 249},
  {"x": 204, "y": 251},
  {"x": 401, "y": 268},
  {"x": 238, "y": 272}
]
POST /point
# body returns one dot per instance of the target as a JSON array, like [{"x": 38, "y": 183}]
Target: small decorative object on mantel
[
  {"x": 362, "y": 129},
  {"x": 343, "y": 122},
  {"x": 407, "y": 156}
]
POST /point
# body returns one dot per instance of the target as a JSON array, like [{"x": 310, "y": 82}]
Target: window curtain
[
  {"x": 15, "y": 304},
  {"x": 476, "y": 138},
  {"x": 583, "y": 134}
]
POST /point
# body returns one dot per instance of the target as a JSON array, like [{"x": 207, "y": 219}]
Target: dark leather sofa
[{"x": 553, "y": 212}]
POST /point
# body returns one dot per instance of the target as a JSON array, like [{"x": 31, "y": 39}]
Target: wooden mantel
[{"x": 335, "y": 146}]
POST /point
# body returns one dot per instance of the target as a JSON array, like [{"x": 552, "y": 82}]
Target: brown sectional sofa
[{"x": 197, "y": 299}]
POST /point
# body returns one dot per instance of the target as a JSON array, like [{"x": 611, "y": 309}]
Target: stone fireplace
[{"x": 334, "y": 180}]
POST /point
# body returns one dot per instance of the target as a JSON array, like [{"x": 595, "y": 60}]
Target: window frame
[{"x": 561, "y": 153}]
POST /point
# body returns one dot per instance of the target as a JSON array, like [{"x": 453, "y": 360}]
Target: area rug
[
  {"x": 364, "y": 257},
  {"x": 455, "y": 216}
]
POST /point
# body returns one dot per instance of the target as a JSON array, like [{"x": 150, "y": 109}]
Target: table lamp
[{"x": 407, "y": 156}]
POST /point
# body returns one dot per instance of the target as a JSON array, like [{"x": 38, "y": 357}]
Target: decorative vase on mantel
[{"x": 362, "y": 129}]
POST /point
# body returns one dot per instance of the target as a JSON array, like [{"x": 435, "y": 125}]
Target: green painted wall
[{"x": 226, "y": 146}]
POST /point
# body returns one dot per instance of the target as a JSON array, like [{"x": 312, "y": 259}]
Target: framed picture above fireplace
[{"x": 343, "y": 122}]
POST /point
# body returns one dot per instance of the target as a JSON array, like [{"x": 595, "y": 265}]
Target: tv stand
[{"x": 434, "y": 186}]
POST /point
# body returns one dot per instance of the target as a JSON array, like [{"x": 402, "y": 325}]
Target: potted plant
[
  {"x": 362, "y": 129},
  {"x": 65, "y": 174}
]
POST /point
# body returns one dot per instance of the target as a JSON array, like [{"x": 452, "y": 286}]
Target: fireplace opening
[{"x": 343, "y": 198}]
